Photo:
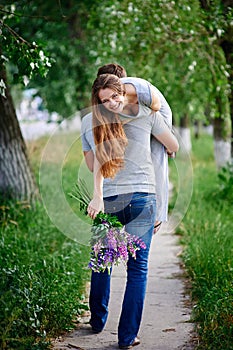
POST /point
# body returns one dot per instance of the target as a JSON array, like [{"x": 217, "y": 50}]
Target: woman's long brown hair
[{"x": 109, "y": 135}]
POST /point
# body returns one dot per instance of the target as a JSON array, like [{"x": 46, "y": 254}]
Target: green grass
[
  {"x": 206, "y": 233},
  {"x": 43, "y": 272}
]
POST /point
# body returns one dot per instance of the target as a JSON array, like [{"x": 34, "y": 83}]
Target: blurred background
[{"x": 50, "y": 52}]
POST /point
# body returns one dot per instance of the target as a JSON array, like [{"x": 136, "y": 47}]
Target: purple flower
[
  {"x": 114, "y": 247},
  {"x": 97, "y": 247}
]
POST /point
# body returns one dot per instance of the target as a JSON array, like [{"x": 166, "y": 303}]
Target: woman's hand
[
  {"x": 95, "y": 206},
  {"x": 157, "y": 226},
  {"x": 171, "y": 154}
]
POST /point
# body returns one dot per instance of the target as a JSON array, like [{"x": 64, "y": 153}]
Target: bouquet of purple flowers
[{"x": 110, "y": 243}]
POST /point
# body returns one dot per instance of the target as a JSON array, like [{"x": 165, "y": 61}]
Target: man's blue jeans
[{"x": 137, "y": 212}]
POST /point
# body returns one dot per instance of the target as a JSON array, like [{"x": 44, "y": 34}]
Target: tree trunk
[
  {"x": 16, "y": 178},
  {"x": 185, "y": 134},
  {"x": 222, "y": 141},
  {"x": 197, "y": 128},
  {"x": 227, "y": 45}
]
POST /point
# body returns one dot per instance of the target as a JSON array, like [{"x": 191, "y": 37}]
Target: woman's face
[{"x": 112, "y": 100}]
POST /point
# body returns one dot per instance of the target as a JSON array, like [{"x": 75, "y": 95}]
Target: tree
[
  {"x": 218, "y": 17},
  {"x": 226, "y": 43},
  {"x": 62, "y": 32},
  {"x": 16, "y": 177}
]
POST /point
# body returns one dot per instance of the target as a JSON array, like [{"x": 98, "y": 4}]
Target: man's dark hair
[{"x": 112, "y": 68}]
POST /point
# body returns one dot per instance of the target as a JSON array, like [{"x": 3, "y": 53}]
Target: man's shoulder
[{"x": 133, "y": 80}]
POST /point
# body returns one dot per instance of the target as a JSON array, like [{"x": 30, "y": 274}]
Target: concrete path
[{"x": 166, "y": 317}]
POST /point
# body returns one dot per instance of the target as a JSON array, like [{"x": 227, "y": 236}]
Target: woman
[{"x": 123, "y": 161}]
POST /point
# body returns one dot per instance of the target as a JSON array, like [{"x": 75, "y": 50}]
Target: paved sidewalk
[{"x": 165, "y": 324}]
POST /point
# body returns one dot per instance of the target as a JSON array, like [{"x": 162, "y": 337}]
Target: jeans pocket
[{"x": 142, "y": 210}]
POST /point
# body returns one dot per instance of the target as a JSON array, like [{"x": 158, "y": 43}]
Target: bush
[{"x": 42, "y": 278}]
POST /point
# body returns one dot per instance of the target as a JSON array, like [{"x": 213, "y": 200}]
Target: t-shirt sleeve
[
  {"x": 86, "y": 146},
  {"x": 144, "y": 93},
  {"x": 159, "y": 125},
  {"x": 142, "y": 88}
]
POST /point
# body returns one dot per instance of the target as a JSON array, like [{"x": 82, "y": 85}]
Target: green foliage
[
  {"x": 155, "y": 52},
  {"x": 81, "y": 37},
  {"x": 206, "y": 232},
  {"x": 61, "y": 31},
  {"x": 111, "y": 219},
  {"x": 27, "y": 58}
]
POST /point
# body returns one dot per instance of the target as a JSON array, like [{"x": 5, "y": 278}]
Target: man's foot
[{"x": 134, "y": 343}]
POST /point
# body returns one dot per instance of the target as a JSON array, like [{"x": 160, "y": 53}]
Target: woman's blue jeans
[{"x": 137, "y": 212}]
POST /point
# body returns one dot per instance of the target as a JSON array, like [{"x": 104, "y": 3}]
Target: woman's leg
[
  {"x": 142, "y": 216},
  {"x": 98, "y": 299},
  {"x": 137, "y": 211},
  {"x": 100, "y": 288}
]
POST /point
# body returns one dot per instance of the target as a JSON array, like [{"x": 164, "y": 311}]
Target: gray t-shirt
[{"x": 138, "y": 172}]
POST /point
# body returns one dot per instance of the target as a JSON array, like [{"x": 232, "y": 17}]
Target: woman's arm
[
  {"x": 155, "y": 104},
  {"x": 141, "y": 91},
  {"x": 96, "y": 204}
]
